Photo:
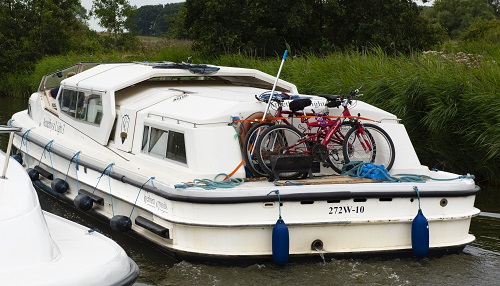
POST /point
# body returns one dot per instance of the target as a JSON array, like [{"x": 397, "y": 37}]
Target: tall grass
[{"x": 448, "y": 101}]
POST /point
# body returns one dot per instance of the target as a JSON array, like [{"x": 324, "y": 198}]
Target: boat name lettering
[
  {"x": 180, "y": 97},
  {"x": 148, "y": 200},
  {"x": 346, "y": 210},
  {"x": 56, "y": 125},
  {"x": 314, "y": 104},
  {"x": 161, "y": 206}
]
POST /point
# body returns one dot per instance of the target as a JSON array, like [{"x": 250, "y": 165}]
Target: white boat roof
[{"x": 104, "y": 76}]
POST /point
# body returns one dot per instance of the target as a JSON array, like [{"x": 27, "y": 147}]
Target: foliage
[
  {"x": 31, "y": 29},
  {"x": 112, "y": 14},
  {"x": 495, "y": 4},
  {"x": 154, "y": 20},
  {"x": 483, "y": 30},
  {"x": 457, "y": 15},
  {"x": 266, "y": 27}
]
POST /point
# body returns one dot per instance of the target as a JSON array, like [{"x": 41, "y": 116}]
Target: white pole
[
  {"x": 7, "y": 155},
  {"x": 274, "y": 86}
]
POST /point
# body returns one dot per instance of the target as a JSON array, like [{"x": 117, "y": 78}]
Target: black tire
[
  {"x": 335, "y": 159},
  {"x": 248, "y": 148},
  {"x": 274, "y": 141},
  {"x": 382, "y": 149}
]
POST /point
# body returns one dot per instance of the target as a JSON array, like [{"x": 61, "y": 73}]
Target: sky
[{"x": 138, "y": 3}]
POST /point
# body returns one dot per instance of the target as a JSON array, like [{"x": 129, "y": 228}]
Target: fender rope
[
  {"x": 47, "y": 148},
  {"x": 26, "y": 133},
  {"x": 140, "y": 189},
  {"x": 107, "y": 173}
]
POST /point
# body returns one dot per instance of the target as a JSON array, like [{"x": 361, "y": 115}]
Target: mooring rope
[{"x": 227, "y": 182}]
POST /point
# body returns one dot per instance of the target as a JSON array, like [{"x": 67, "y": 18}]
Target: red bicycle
[
  {"x": 288, "y": 117},
  {"x": 327, "y": 140}
]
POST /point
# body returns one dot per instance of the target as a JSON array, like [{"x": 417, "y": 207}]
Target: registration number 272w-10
[{"x": 346, "y": 210}]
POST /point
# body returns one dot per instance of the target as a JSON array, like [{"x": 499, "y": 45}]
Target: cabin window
[
  {"x": 84, "y": 106},
  {"x": 165, "y": 144},
  {"x": 176, "y": 149}
]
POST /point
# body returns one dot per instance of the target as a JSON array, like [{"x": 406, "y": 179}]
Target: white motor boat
[
  {"x": 40, "y": 248},
  {"x": 124, "y": 141}
]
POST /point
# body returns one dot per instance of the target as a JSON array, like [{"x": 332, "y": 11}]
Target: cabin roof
[{"x": 117, "y": 76}]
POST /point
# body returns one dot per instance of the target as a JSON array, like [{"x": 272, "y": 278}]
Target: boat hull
[{"x": 375, "y": 222}]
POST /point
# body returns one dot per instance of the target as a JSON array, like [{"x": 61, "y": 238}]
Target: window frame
[
  {"x": 83, "y": 98},
  {"x": 170, "y": 152}
]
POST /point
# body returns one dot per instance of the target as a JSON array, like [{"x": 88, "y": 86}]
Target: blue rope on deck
[
  {"x": 379, "y": 172},
  {"x": 226, "y": 183}
]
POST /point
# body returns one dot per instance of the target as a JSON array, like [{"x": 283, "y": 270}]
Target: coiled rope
[{"x": 226, "y": 183}]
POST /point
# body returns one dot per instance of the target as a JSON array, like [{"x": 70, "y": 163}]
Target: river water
[{"x": 479, "y": 264}]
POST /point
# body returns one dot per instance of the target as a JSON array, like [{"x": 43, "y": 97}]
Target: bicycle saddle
[
  {"x": 331, "y": 100},
  {"x": 299, "y": 104}
]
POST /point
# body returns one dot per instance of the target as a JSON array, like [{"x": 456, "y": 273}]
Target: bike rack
[{"x": 291, "y": 163}]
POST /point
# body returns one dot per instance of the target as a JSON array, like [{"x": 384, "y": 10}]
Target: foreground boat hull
[{"x": 40, "y": 248}]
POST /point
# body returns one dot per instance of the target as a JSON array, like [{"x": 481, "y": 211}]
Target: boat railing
[
  {"x": 179, "y": 121},
  {"x": 54, "y": 79},
  {"x": 11, "y": 130}
]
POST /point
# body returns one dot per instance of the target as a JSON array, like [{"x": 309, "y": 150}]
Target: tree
[
  {"x": 457, "y": 15},
  {"x": 495, "y": 4},
  {"x": 154, "y": 20},
  {"x": 31, "y": 29},
  {"x": 112, "y": 14},
  {"x": 266, "y": 27}
]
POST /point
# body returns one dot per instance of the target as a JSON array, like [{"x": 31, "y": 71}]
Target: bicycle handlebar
[{"x": 356, "y": 91}]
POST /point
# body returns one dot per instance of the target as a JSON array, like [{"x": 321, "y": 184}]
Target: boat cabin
[{"x": 161, "y": 109}]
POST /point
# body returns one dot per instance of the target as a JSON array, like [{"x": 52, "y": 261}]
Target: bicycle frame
[{"x": 329, "y": 131}]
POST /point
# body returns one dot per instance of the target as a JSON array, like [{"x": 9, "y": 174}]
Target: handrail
[{"x": 12, "y": 130}]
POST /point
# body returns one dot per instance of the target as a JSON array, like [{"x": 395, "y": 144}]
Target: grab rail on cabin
[{"x": 178, "y": 121}]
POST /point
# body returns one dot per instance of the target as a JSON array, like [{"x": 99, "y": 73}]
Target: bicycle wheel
[
  {"x": 335, "y": 158},
  {"x": 279, "y": 139},
  {"x": 369, "y": 144},
  {"x": 249, "y": 145}
]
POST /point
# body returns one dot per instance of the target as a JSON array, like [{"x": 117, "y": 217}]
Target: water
[{"x": 479, "y": 264}]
